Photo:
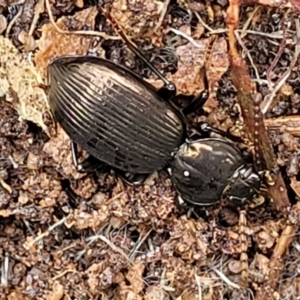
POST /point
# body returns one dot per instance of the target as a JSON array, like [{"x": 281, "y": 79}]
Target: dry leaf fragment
[
  {"x": 18, "y": 82},
  {"x": 53, "y": 44},
  {"x": 191, "y": 60}
]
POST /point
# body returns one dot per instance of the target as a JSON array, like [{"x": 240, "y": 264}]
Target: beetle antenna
[{"x": 168, "y": 84}]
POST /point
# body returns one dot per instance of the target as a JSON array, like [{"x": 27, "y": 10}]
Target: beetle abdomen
[{"x": 112, "y": 114}]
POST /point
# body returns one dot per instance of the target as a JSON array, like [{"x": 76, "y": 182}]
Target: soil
[{"x": 70, "y": 235}]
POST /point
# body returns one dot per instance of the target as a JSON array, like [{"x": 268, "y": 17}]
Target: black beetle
[{"x": 124, "y": 122}]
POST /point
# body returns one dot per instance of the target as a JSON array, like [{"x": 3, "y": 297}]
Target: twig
[
  {"x": 6, "y": 186},
  {"x": 5, "y": 270},
  {"x": 184, "y": 35},
  {"x": 248, "y": 99},
  {"x": 61, "y": 251},
  {"x": 13, "y": 21},
  {"x": 276, "y": 264},
  {"x": 206, "y": 26},
  {"x": 276, "y": 59},
  {"x": 268, "y": 99},
  {"x": 238, "y": 37},
  {"x": 138, "y": 245},
  {"x": 284, "y": 124},
  {"x": 62, "y": 274},
  {"x": 162, "y": 15},
  {"x": 39, "y": 9},
  {"x": 113, "y": 247},
  {"x": 162, "y": 282},
  {"x": 247, "y": 23},
  {"x": 275, "y": 35},
  {"x": 244, "y": 248},
  {"x": 198, "y": 282},
  {"x": 47, "y": 232},
  {"x": 225, "y": 278},
  {"x": 29, "y": 227},
  {"x": 108, "y": 201},
  {"x": 90, "y": 240}
]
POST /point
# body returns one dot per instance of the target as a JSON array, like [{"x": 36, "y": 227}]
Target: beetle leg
[
  {"x": 166, "y": 93},
  {"x": 135, "y": 179},
  {"x": 205, "y": 128},
  {"x": 72, "y": 196},
  {"x": 244, "y": 248},
  {"x": 88, "y": 165},
  {"x": 199, "y": 100}
]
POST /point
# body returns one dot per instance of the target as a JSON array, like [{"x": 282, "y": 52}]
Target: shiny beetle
[{"x": 124, "y": 122}]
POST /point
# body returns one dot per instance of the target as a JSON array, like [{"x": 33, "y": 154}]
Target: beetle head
[{"x": 243, "y": 186}]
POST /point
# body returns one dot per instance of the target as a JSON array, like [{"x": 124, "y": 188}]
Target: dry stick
[
  {"x": 115, "y": 248},
  {"x": 254, "y": 119},
  {"x": 6, "y": 186},
  {"x": 162, "y": 285},
  {"x": 242, "y": 79}
]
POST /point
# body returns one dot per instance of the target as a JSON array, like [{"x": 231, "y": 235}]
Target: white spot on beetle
[{"x": 186, "y": 173}]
